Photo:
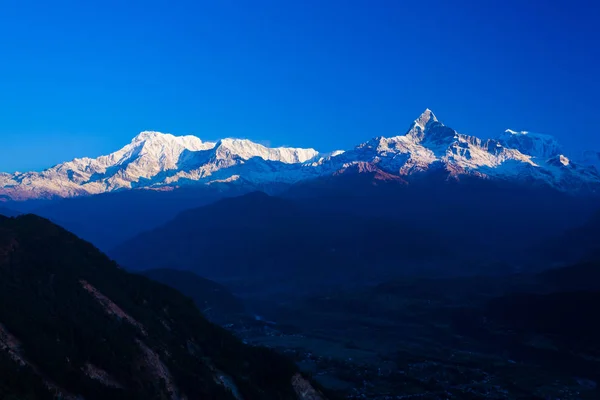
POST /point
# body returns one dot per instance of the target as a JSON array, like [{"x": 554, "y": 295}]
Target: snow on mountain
[
  {"x": 247, "y": 149},
  {"x": 148, "y": 154},
  {"x": 429, "y": 144},
  {"x": 535, "y": 145},
  {"x": 156, "y": 160},
  {"x": 151, "y": 159}
]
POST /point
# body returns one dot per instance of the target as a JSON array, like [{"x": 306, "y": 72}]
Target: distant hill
[
  {"x": 574, "y": 245},
  {"x": 74, "y": 325},
  {"x": 7, "y": 212},
  {"x": 214, "y": 300},
  {"x": 497, "y": 220},
  {"x": 109, "y": 219},
  {"x": 279, "y": 243}
]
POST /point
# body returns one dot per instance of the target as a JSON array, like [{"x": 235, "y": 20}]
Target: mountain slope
[
  {"x": 74, "y": 325},
  {"x": 280, "y": 243},
  {"x": 574, "y": 245},
  {"x": 215, "y": 301},
  {"x": 7, "y": 212},
  {"x": 158, "y": 161},
  {"x": 109, "y": 219},
  {"x": 485, "y": 220}
]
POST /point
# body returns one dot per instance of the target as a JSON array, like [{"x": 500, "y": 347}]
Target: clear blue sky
[{"x": 81, "y": 78}]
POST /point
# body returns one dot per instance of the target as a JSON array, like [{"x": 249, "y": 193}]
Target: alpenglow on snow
[{"x": 155, "y": 160}]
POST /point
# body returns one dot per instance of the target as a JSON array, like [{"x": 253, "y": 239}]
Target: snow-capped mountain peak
[
  {"x": 247, "y": 149},
  {"x": 511, "y": 132},
  {"x": 421, "y": 124},
  {"x": 425, "y": 118},
  {"x": 160, "y": 160},
  {"x": 148, "y": 135},
  {"x": 537, "y": 145},
  {"x": 158, "y": 139},
  {"x": 427, "y": 128}
]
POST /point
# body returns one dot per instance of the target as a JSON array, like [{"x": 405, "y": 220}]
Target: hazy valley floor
[{"x": 425, "y": 339}]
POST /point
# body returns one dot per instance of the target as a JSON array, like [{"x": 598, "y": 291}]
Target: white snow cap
[
  {"x": 146, "y": 135},
  {"x": 425, "y": 117},
  {"x": 515, "y": 132},
  {"x": 247, "y": 149},
  {"x": 158, "y": 160}
]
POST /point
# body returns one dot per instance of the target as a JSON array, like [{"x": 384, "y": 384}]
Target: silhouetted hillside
[
  {"x": 107, "y": 220},
  {"x": 214, "y": 300},
  {"x": 488, "y": 219},
  {"x": 575, "y": 245},
  {"x": 74, "y": 325},
  {"x": 259, "y": 238}
]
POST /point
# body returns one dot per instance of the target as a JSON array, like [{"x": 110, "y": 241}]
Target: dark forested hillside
[
  {"x": 74, "y": 324},
  {"x": 495, "y": 219},
  {"x": 214, "y": 300},
  {"x": 573, "y": 245},
  {"x": 279, "y": 242},
  {"x": 107, "y": 220}
]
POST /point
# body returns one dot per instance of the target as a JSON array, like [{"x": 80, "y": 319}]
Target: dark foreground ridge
[
  {"x": 75, "y": 325},
  {"x": 216, "y": 302}
]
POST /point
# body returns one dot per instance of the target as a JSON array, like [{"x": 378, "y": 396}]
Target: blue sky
[{"x": 82, "y": 78}]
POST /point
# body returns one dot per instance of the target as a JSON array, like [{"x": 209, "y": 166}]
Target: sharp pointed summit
[
  {"x": 426, "y": 117},
  {"x": 155, "y": 160},
  {"x": 421, "y": 125}
]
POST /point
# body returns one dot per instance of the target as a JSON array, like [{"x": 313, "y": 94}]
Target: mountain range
[
  {"x": 415, "y": 238},
  {"x": 157, "y": 161}
]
